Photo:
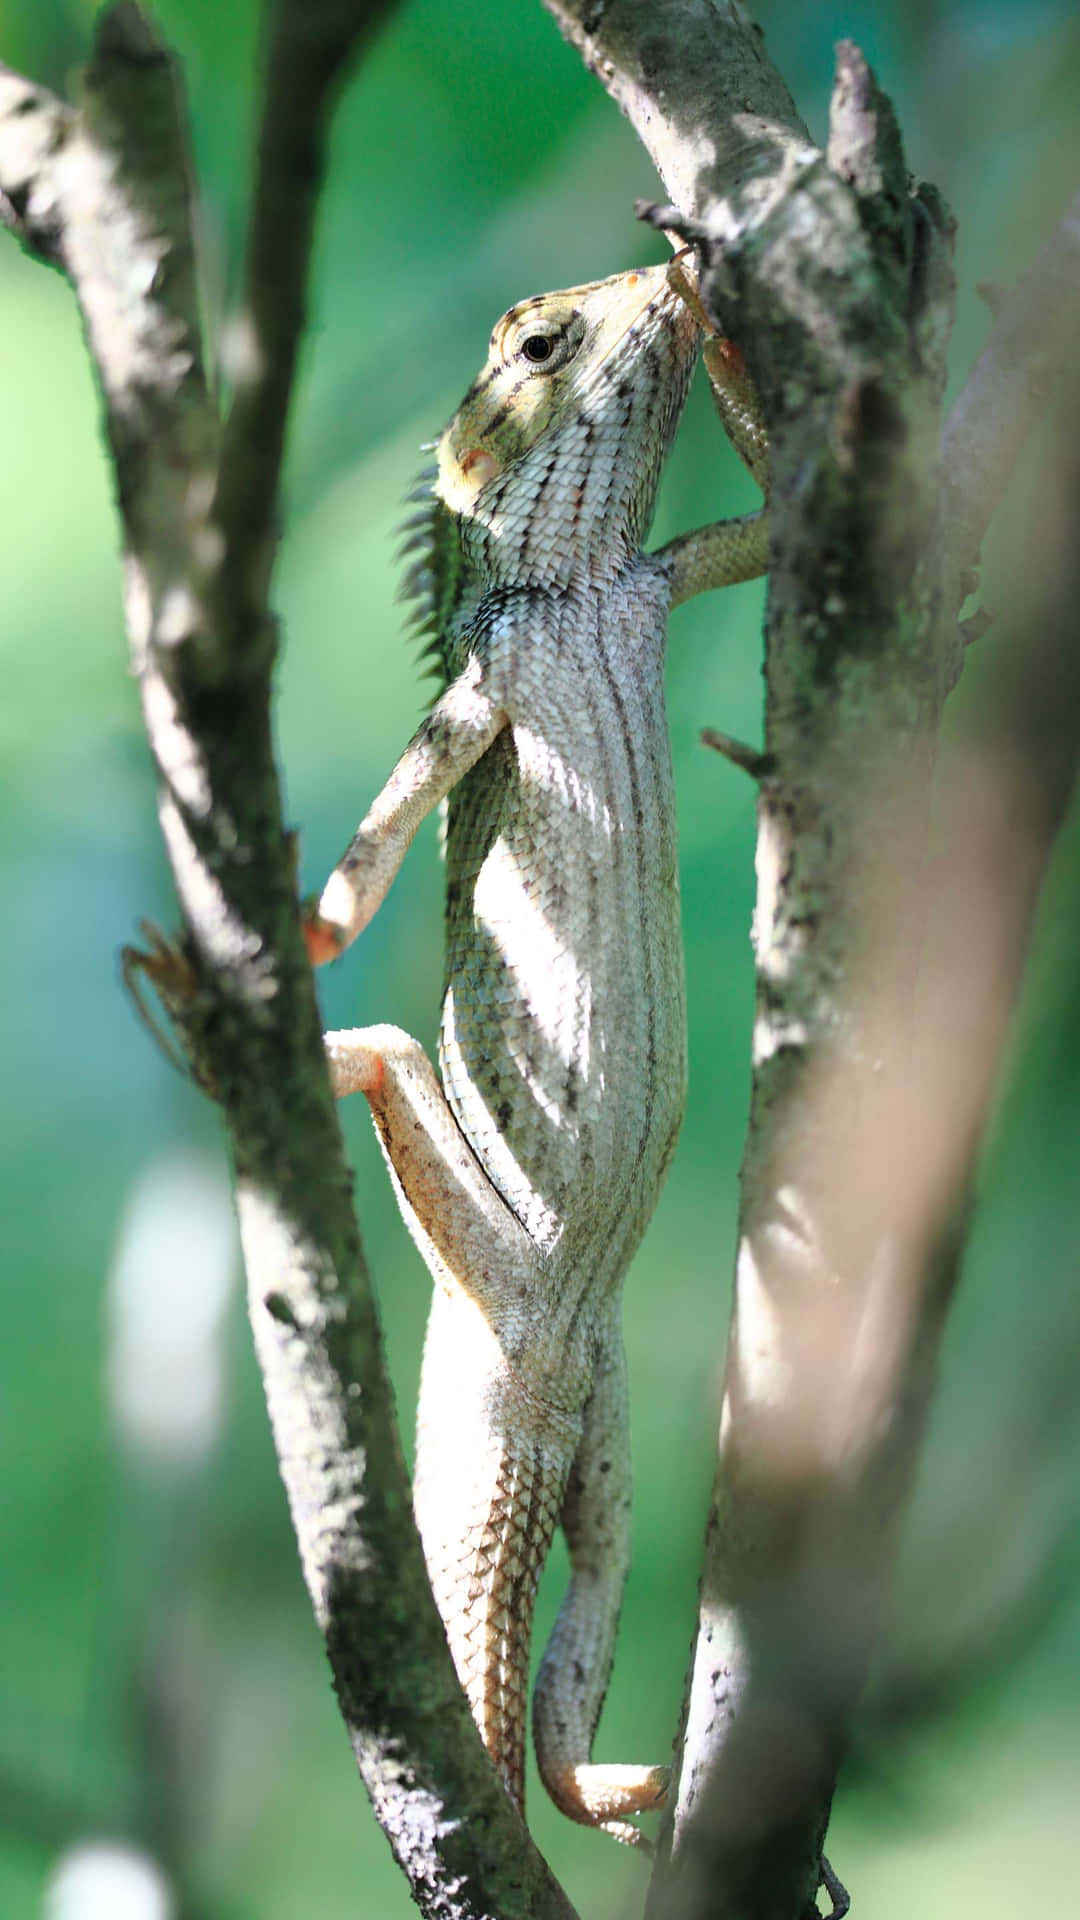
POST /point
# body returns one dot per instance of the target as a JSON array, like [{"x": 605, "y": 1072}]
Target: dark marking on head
[
  {"x": 482, "y": 380},
  {"x": 503, "y": 412}
]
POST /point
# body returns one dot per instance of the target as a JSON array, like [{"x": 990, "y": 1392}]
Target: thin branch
[
  {"x": 310, "y": 51},
  {"x": 741, "y": 754},
  {"x": 108, "y": 194}
]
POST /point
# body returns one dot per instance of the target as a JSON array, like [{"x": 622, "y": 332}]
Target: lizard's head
[{"x": 555, "y": 453}]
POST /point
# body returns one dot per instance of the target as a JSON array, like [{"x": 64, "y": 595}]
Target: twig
[
  {"x": 741, "y": 754},
  {"x": 837, "y": 1892}
]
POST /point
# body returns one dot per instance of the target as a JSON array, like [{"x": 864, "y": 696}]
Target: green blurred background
[{"x": 162, "y": 1681}]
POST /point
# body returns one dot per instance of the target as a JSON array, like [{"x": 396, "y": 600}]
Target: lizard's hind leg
[
  {"x": 471, "y": 1241},
  {"x": 491, "y": 1458},
  {"x": 576, "y": 1666}
]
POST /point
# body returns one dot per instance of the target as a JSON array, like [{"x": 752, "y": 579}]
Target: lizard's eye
[{"x": 543, "y": 351}]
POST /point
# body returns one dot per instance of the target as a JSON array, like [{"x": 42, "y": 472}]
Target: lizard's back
[{"x": 563, "y": 1035}]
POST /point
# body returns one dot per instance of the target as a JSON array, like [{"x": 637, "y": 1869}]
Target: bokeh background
[{"x": 162, "y": 1685}]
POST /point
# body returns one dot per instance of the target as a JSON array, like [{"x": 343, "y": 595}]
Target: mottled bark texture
[
  {"x": 881, "y": 1013},
  {"x": 103, "y": 191}
]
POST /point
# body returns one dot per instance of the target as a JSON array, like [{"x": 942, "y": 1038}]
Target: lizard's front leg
[
  {"x": 459, "y": 729},
  {"x": 728, "y": 551}
]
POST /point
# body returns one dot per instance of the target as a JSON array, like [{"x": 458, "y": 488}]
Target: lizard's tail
[
  {"x": 574, "y": 1672},
  {"x": 489, "y": 1485}
]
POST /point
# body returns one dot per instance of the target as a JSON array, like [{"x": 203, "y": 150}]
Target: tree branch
[
  {"x": 693, "y": 79},
  {"x": 308, "y": 55},
  {"x": 106, "y": 193},
  {"x": 869, "y": 1091}
]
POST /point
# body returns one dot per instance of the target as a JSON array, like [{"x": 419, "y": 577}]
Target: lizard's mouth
[{"x": 661, "y": 301}]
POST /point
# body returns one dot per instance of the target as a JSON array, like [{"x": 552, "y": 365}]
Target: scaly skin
[{"x": 529, "y": 1173}]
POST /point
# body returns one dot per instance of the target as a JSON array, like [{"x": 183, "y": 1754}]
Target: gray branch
[
  {"x": 308, "y": 54},
  {"x": 882, "y": 1011},
  {"x": 105, "y": 193},
  {"x": 693, "y": 79}
]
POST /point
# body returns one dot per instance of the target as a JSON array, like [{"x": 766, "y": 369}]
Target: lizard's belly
[{"x": 563, "y": 1034}]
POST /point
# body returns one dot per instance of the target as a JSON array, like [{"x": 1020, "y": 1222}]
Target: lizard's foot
[
  {"x": 332, "y": 919},
  {"x": 605, "y": 1796},
  {"x": 322, "y": 938},
  {"x": 170, "y": 967},
  {"x": 682, "y": 278},
  {"x": 358, "y": 1058}
]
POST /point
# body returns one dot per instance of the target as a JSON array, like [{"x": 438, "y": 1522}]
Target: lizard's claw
[
  {"x": 681, "y": 277},
  {"x": 171, "y": 970}
]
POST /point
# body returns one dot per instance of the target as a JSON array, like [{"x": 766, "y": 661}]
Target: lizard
[{"x": 528, "y": 1172}]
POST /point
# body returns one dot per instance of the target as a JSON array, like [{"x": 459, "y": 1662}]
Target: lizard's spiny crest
[{"x": 430, "y": 582}]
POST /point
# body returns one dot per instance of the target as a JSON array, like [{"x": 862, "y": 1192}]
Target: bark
[
  {"x": 104, "y": 192},
  {"x": 881, "y": 1011}
]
